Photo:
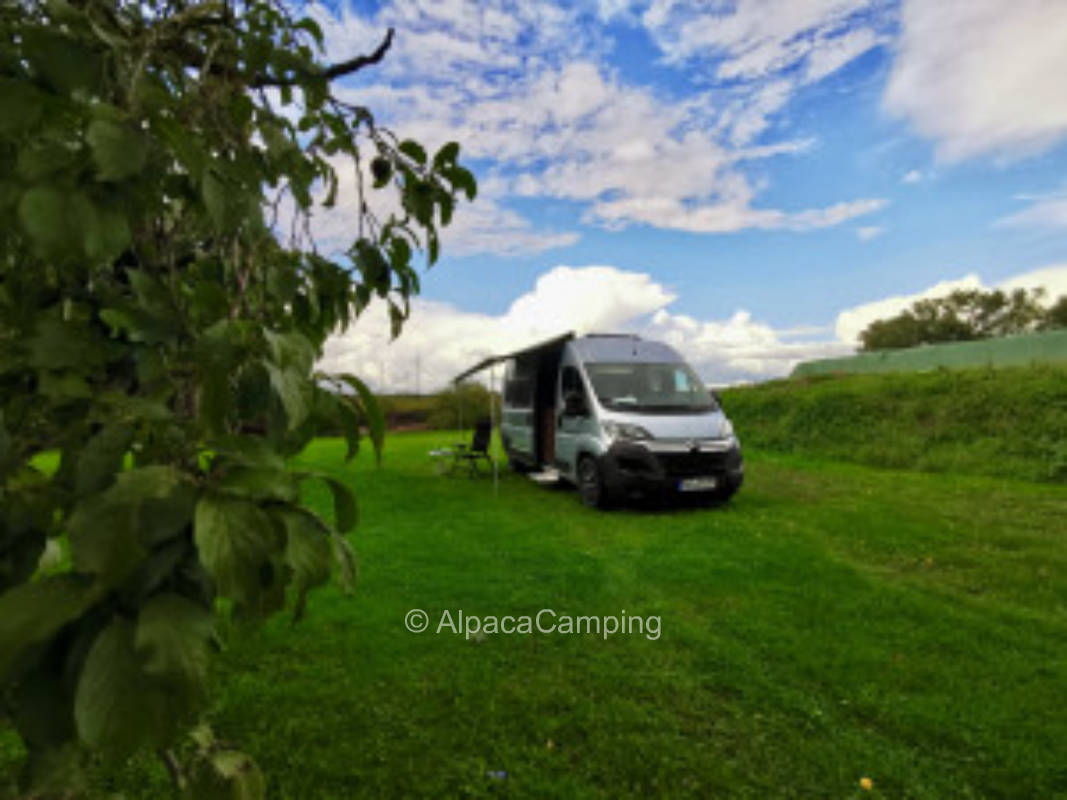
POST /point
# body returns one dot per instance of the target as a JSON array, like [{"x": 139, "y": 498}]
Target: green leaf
[
  {"x": 163, "y": 564},
  {"x": 348, "y": 419},
  {"x": 173, "y": 635},
  {"x": 57, "y": 771},
  {"x": 225, "y": 774},
  {"x": 399, "y": 253},
  {"x": 118, "y": 707},
  {"x": 413, "y": 150},
  {"x": 345, "y": 557},
  {"x": 216, "y": 397},
  {"x": 44, "y": 158},
  {"x": 462, "y": 179},
  {"x": 65, "y": 63},
  {"x": 311, "y": 26},
  {"x": 101, "y": 458},
  {"x": 233, "y": 538},
  {"x": 63, "y": 386},
  {"x": 188, "y": 149},
  {"x": 43, "y": 214},
  {"x": 308, "y": 552},
  {"x": 433, "y": 244},
  {"x": 290, "y": 387},
  {"x": 396, "y": 319},
  {"x": 214, "y": 192},
  {"x": 111, "y": 532},
  {"x": 32, "y": 613},
  {"x": 372, "y": 412},
  {"x": 23, "y": 105},
  {"x": 372, "y": 266},
  {"x": 118, "y": 150},
  {"x": 107, "y": 233},
  {"x": 41, "y": 704},
  {"x": 137, "y": 408},
  {"x": 344, "y": 502},
  {"x": 151, "y": 293},
  {"x": 259, "y": 483},
  {"x": 59, "y": 344},
  {"x": 209, "y": 302},
  {"x": 290, "y": 350},
  {"x": 105, "y": 539},
  {"x": 445, "y": 205},
  {"x": 418, "y": 199},
  {"x": 446, "y": 156},
  {"x": 7, "y": 449},
  {"x": 307, "y": 547},
  {"x": 61, "y": 222},
  {"x": 251, "y": 451}
]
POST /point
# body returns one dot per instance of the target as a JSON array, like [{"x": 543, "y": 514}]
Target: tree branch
[
  {"x": 359, "y": 62},
  {"x": 174, "y": 769},
  {"x": 334, "y": 70}
]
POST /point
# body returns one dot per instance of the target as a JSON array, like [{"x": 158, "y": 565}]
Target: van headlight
[
  {"x": 625, "y": 431},
  {"x": 729, "y": 435}
]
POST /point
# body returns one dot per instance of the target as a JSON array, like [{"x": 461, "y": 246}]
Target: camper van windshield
[{"x": 649, "y": 388}]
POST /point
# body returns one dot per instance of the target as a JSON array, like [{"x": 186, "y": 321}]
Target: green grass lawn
[{"x": 832, "y": 622}]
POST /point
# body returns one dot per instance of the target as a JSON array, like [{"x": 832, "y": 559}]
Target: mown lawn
[{"x": 833, "y": 622}]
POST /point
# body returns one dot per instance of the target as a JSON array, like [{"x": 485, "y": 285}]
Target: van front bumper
[{"x": 634, "y": 468}]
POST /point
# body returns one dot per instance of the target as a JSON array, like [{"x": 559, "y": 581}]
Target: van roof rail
[{"x": 612, "y": 336}]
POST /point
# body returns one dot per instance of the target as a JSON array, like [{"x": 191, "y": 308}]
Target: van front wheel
[{"x": 591, "y": 483}]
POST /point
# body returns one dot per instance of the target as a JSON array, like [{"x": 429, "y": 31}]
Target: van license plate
[{"x": 698, "y": 484}]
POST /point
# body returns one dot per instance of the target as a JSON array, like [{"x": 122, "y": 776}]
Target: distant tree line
[
  {"x": 454, "y": 408},
  {"x": 966, "y": 315}
]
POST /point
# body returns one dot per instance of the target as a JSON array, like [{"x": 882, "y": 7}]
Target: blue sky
[{"x": 752, "y": 180}]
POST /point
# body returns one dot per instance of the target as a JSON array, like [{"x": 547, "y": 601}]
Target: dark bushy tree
[
  {"x": 1056, "y": 316},
  {"x": 461, "y": 406},
  {"x": 963, "y": 315},
  {"x": 158, "y": 334}
]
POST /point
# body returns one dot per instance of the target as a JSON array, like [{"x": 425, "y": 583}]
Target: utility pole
[{"x": 418, "y": 373}]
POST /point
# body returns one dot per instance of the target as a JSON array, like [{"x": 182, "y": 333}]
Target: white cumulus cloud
[
  {"x": 441, "y": 340},
  {"x": 982, "y": 77},
  {"x": 525, "y": 87}
]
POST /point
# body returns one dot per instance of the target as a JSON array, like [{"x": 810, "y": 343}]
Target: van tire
[{"x": 590, "y": 481}]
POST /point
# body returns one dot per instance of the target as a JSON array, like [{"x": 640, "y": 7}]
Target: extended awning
[{"x": 485, "y": 363}]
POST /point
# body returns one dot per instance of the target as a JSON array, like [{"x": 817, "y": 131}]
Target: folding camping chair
[{"x": 477, "y": 450}]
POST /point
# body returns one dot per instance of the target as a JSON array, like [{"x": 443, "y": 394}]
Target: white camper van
[{"x": 617, "y": 415}]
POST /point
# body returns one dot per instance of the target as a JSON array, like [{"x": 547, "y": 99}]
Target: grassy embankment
[{"x": 1009, "y": 422}]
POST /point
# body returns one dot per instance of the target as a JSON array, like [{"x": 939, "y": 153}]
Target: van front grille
[{"x": 692, "y": 465}]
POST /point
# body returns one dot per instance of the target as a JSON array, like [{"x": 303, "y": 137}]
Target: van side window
[
  {"x": 571, "y": 382},
  {"x": 518, "y": 384}
]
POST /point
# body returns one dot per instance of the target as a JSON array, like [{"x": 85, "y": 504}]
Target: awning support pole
[{"x": 492, "y": 427}]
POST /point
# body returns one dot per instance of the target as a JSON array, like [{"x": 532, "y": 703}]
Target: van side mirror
[
  {"x": 716, "y": 398},
  {"x": 574, "y": 405}
]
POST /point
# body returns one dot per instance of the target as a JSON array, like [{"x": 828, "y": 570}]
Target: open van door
[{"x": 573, "y": 418}]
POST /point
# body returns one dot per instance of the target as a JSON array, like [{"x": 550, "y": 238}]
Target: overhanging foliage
[{"x": 162, "y": 304}]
